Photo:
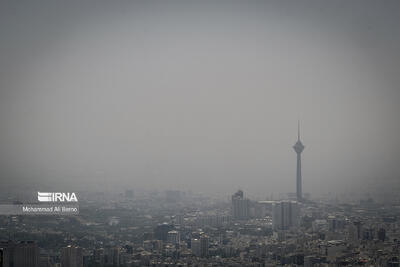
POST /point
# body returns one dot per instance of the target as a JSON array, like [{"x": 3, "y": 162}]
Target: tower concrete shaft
[{"x": 299, "y": 191}]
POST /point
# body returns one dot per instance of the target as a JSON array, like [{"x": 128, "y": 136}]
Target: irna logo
[{"x": 56, "y": 197}]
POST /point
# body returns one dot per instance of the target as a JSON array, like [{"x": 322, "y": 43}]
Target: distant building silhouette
[
  {"x": 204, "y": 244},
  {"x": 161, "y": 231},
  {"x": 71, "y": 257},
  {"x": 240, "y": 206},
  {"x": 111, "y": 257},
  {"x": 195, "y": 247},
  {"x": 173, "y": 237},
  {"x": 129, "y": 193},
  {"x": 199, "y": 246},
  {"x": 286, "y": 214},
  {"x": 19, "y": 254}
]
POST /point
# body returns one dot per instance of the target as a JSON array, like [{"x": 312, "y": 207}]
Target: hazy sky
[{"x": 200, "y": 95}]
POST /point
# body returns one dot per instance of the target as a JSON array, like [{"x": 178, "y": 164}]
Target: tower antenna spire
[{"x": 298, "y": 130}]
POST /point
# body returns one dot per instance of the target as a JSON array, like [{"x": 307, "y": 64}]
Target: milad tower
[{"x": 298, "y": 147}]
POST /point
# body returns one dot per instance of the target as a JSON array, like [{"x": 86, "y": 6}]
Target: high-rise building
[
  {"x": 204, "y": 243},
  {"x": 173, "y": 237},
  {"x": 180, "y": 219},
  {"x": 111, "y": 257},
  {"x": 129, "y": 193},
  {"x": 298, "y": 147},
  {"x": 382, "y": 234},
  {"x": 161, "y": 231},
  {"x": 286, "y": 214},
  {"x": 21, "y": 254},
  {"x": 195, "y": 247},
  {"x": 199, "y": 246},
  {"x": 240, "y": 206},
  {"x": 98, "y": 256},
  {"x": 71, "y": 257}
]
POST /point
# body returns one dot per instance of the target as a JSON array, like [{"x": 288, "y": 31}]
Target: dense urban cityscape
[{"x": 175, "y": 228}]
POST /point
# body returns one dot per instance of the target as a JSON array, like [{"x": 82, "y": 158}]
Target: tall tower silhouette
[{"x": 298, "y": 147}]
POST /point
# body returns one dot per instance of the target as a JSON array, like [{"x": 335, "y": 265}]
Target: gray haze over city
[{"x": 202, "y": 96}]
